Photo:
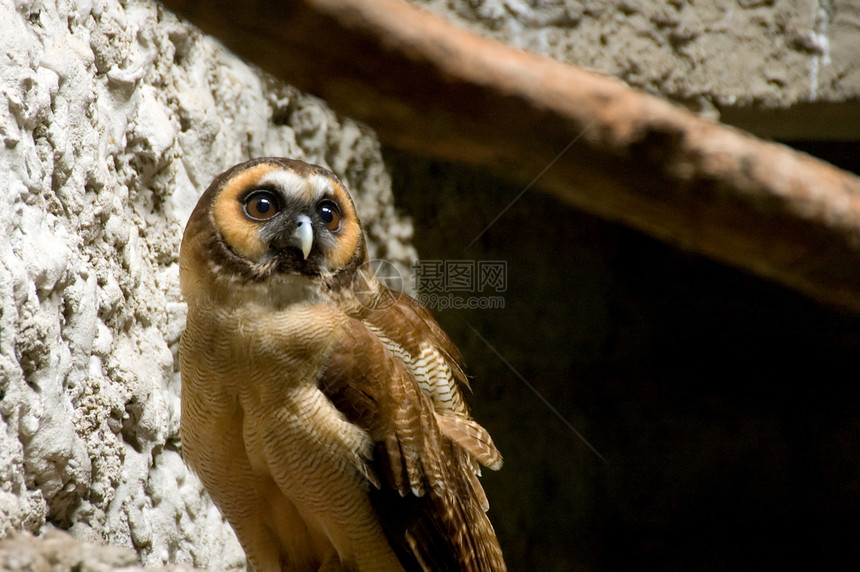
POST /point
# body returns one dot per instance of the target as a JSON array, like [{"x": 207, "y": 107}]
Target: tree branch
[{"x": 432, "y": 88}]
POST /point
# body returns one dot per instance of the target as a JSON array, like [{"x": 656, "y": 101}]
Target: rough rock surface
[
  {"x": 708, "y": 55},
  {"x": 58, "y": 551},
  {"x": 114, "y": 117}
]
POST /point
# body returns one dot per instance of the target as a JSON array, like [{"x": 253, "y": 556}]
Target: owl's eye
[
  {"x": 261, "y": 205},
  {"x": 330, "y": 215}
]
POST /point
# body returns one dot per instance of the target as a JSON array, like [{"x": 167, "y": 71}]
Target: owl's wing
[
  {"x": 411, "y": 333},
  {"x": 429, "y": 500}
]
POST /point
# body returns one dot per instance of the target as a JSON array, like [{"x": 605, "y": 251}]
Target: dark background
[{"x": 725, "y": 406}]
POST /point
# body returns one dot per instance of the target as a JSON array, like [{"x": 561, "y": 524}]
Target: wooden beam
[{"x": 432, "y": 88}]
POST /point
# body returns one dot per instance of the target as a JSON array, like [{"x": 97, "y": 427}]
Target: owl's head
[{"x": 271, "y": 218}]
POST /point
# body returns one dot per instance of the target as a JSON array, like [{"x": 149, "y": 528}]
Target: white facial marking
[
  {"x": 292, "y": 184},
  {"x": 321, "y": 186}
]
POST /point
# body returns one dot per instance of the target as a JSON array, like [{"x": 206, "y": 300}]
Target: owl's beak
[{"x": 303, "y": 237}]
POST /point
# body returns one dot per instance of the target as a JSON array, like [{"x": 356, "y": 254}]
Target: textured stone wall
[
  {"x": 114, "y": 117},
  {"x": 751, "y": 62}
]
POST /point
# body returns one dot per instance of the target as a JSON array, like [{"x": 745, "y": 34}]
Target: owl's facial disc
[{"x": 285, "y": 217}]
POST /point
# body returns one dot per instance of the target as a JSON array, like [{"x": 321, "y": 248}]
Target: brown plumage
[{"x": 322, "y": 411}]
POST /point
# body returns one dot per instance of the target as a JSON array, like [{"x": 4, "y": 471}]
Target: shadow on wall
[{"x": 725, "y": 407}]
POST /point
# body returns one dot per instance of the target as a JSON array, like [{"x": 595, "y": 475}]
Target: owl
[{"x": 322, "y": 411}]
